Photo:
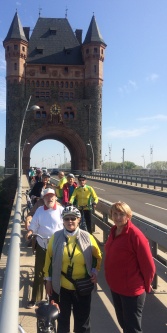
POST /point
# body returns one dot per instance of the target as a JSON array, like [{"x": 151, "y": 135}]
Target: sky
[{"x": 134, "y": 118}]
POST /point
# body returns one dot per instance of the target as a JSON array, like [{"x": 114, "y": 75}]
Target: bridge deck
[{"x": 103, "y": 317}]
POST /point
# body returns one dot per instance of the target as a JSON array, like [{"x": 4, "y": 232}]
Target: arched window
[
  {"x": 71, "y": 84},
  {"x": 38, "y": 114},
  {"x": 66, "y": 115},
  {"x": 71, "y": 115},
  {"x": 66, "y": 84},
  {"x": 47, "y": 83},
  {"x": 62, "y": 84},
  {"x": 42, "y": 84},
  {"x": 37, "y": 84}
]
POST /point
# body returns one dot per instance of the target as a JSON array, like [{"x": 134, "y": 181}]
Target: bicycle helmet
[
  {"x": 71, "y": 210},
  {"x": 82, "y": 176},
  {"x": 46, "y": 175}
]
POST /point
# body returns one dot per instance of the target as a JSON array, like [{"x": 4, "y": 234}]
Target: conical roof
[
  {"x": 93, "y": 33},
  {"x": 16, "y": 30}
]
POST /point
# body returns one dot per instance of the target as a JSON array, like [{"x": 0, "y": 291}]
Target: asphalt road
[{"x": 149, "y": 205}]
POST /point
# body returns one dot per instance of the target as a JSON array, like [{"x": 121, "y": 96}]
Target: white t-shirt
[{"x": 46, "y": 223}]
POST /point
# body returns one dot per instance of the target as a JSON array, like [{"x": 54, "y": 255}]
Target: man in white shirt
[{"x": 46, "y": 220}]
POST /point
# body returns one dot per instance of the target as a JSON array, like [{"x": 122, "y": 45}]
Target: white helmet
[{"x": 71, "y": 210}]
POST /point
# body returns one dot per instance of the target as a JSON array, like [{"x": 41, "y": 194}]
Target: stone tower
[{"x": 64, "y": 76}]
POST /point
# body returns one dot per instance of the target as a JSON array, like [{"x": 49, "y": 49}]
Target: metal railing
[
  {"x": 155, "y": 183},
  {"x": 11, "y": 285},
  {"x": 156, "y": 233}
]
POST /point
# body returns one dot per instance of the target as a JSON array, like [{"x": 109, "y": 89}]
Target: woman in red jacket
[{"x": 129, "y": 268}]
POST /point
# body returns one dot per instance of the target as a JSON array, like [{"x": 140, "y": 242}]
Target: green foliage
[
  {"x": 118, "y": 166},
  {"x": 159, "y": 165}
]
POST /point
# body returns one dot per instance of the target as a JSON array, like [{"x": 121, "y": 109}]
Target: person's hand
[
  {"x": 55, "y": 304},
  {"x": 94, "y": 205},
  {"x": 94, "y": 278},
  {"x": 28, "y": 234},
  {"x": 49, "y": 289}
]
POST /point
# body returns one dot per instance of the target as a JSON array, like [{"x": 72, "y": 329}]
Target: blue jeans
[{"x": 129, "y": 311}]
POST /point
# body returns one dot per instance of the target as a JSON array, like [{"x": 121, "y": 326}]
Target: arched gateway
[{"x": 64, "y": 76}]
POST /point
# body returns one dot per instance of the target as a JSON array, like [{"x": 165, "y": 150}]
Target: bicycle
[
  {"x": 46, "y": 314},
  {"x": 28, "y": 206}
]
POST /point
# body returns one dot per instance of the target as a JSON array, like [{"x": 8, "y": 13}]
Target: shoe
[{"x": 31, "y": 305}]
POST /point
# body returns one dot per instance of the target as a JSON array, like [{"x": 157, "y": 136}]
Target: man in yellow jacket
[
  {"x": 86, "y": 197},
  {"x": 59, "y": 187}
]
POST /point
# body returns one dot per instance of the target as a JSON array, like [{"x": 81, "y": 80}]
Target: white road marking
[
  {"x": 146, "y": 203},
  {"x": 101, "y": 189}
]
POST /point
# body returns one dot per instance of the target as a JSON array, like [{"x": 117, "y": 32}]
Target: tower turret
[
  {"x": 15, "y": 45},
  {"x": 93, "y": 53}
]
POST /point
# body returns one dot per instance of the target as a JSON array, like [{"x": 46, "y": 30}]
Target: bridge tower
[{"x": 64, "y": 76}]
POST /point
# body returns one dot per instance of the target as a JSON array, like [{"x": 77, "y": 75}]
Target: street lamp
[
  {"x": 123, "y": 151},
  {"x": 34, "y": 107},
  {"x": 93, "y": 164},
  {"x": 143, "y": 160},
  {"x": 21, "y": 151},
  {"x": 104, "y": 157}
]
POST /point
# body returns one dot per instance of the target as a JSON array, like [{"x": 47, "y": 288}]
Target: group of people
[{"x": 74, "y": 253}]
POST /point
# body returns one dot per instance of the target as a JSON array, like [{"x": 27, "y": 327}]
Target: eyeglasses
[{"x": 69, "y": 218}]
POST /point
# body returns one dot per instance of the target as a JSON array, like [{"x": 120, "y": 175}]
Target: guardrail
[
  {"x": 155, "y": 232},
  {"x": 149, "y": 182}
]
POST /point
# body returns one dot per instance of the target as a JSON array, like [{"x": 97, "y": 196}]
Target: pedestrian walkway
[{"x": 103, "y": 317}]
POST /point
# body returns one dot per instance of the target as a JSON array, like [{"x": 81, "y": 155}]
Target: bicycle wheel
[
  {"x": 41, "y": 327},
  {"x": 82, "y": 223},
  {"x": 26, "y": 210}
]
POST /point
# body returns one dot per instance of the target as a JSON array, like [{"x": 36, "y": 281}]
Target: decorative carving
[
  {"x": 31, "y": 72},
  {"x": 55, "y": 116},
  {"x": 54, "y": 73}
]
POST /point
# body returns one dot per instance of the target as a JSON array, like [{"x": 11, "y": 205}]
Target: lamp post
[
  {"x": 123, "y": 151},
  {"x": 34, "y": 107},
  {"x": 93, "y": 164},
  {"x": 143, "y": 160},
  {"x": 21, "y": 152}
]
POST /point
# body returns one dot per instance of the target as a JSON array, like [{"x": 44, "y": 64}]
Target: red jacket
[
  {"x": 129, "y": 266},
  {"x": 66, "y": 194}
]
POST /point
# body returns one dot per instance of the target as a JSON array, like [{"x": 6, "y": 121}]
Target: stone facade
[{"x": 66, "y": 83}]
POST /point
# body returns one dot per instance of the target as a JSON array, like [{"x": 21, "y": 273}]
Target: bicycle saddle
[{"x": 47, "y": 312}]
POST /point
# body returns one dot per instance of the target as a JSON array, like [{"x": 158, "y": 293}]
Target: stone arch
[{"x": 63, "y": 134}]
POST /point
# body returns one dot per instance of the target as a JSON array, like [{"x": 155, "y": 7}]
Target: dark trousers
[
  {"x": 81, "y": 311},
  {"x": 87, "y": 216},
  {"x": 38, "y": 284},
  {"x": 129, "y": 311}
]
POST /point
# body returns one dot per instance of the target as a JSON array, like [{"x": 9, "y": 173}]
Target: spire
[
  {"x": 93, "y": 33},
  {"x": 16, "y": 30}
]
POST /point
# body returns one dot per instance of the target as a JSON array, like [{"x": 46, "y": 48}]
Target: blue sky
[{"x": 135, "y": 74}]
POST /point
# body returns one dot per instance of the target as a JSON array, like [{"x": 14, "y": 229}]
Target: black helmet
[{"x": 82, "y": 176}]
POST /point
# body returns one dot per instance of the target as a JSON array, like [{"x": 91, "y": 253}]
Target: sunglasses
[{"x": 69, "y": 218}]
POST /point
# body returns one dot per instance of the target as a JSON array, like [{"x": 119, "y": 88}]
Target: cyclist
[
  {"x": 86, "y": 197},
  {"x": 38, "y": 176},
  {"x": 37, "y": 190},
  {"x": 68, "y": 188},
  {"x": 46, "y": 220},
  {"x": 59, "y": 187}
]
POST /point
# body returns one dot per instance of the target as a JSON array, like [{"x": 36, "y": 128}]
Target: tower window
[
  {"x": 94, "y": 68},
  {"x": 23, "y": 48},
  {"x": 71, "y": 115},
  {"x": 52, "y": 31},
  {"x": 66, "y": 115},
  {"x": 38, "y": 114},
  {"x": 8, "y": 48},
  {"x": 95, "y": 49},
  {"x": 15, "y": 47},
  {"x": 43, "y": 69},
  {"x": 15, "y": 66},
  {"x": 43, "y": 114}
]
